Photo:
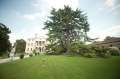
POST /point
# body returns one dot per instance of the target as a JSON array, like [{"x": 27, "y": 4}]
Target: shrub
[
  {"x": 38, "y": 53},
  {"x": 79, "y": 48},
  {"x": 90, "y": 55},
  {"x": 114, "y": 51},
  {"x": 107, "y": 55},
  {"x": 104, "y": 55},
  {"x": 35, "y": 53},
  {"x": 70, "y": 53},
  {"x": 21, "y": 56},
  {"x": 31, "y": 55}
]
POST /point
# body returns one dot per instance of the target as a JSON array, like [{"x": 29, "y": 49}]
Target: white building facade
[{"x": 38, "y": 43}]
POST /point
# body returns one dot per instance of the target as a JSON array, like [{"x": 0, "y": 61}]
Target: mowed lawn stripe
[{"x": 61, "y": 67}]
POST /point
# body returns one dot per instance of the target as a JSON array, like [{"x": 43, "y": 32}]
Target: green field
[{"x": 61, "y": 67}]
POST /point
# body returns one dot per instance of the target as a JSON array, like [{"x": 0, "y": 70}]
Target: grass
[
  {"x": 4, "y": 56},
  {"x": 61, "y": 67}
]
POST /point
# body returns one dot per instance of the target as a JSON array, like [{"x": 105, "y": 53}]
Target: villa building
[
  {"x": 38, "y": 43},
  {"x": 109, "y": 43}
]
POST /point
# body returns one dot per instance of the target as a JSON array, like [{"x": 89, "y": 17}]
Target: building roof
[{"x": 108, "y": 41}]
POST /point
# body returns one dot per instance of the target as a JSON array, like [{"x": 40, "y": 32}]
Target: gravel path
[{"x": 8, "y": 59}]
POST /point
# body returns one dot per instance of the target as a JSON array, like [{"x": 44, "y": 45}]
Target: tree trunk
[{"x": 68, "y": 39}]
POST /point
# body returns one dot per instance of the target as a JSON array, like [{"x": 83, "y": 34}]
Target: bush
[
  {"x": 107, "y": 55},
  {"x": 114, "y": 51},
  {"x": 38, "y": 53},
  {"x": 21, "y": 56},
  {"x": 90, "y": 55},
  {"x": 79, "y": 48},
  {"x": 35, "y": 53},
  {"x": 70, "y": 54},
  {"x": 104, "y": 55},
  {"x": 31, "y": 55}
]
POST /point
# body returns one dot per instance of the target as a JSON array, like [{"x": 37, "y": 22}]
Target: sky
[{"x": 26, "y": 17}]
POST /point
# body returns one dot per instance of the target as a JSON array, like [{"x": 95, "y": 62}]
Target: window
[
  {"x": 27, "y": 49},
  {"x": 31, "y": 49},
  {"x": 31, "y": 44},
  {"x": 28, "y": 44},
  {"x": 111, "y": 45}
]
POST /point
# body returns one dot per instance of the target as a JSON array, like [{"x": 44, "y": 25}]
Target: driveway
[{"x": 8, "y": 59}]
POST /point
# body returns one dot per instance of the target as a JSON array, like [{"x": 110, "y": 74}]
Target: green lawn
[
  {"x": 61, "y": 67},
  {"x": 4, "y": 56}
]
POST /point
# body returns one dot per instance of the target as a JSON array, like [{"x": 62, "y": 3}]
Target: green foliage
[
  {"x": 4, "y": 39},
  {"x": 53, "y": 49},
  {"x": 21, "y": 56},
  {"x": 88, "y": 51},
  {"x": 79, "y": 48},
  {"x": 104, "y": 55},
  {"x": 90, "y": 55},
  {"x": 34, "y": 51},
  {"x": 30, "y": 55},
  {"x": 58, "y": 50},
  {"x": 38, "y": 53},
  {"x": 5, "y": 55},
  {"x": 114, "y": 51},
  {"x": 101, "y": 52},
  {"x": 108, "y": 38},
  {"x": 65, "y": 26},
  {"x": 49, "y": 48},
  {"x": 20, "y": 45}
]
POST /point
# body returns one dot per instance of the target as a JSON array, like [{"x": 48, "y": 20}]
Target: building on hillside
[
  {"x": 38, "y": 43},
  {"x": 108, "y": 43}
]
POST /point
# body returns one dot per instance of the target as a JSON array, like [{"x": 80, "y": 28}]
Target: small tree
[
  {"x": 21, "y": 56},
  {"x": 20, "y": 45},
  {"x": 34, "y": 51},
  {"x": 114, "y": 51}
]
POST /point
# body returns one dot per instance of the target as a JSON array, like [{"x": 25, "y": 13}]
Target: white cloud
[
  {"x": 115, "y": 7},
  {"x": 60, "y": 3},
  {"x": 34, "y": 16},
  {"x": 112, "y": 31},
  {"x": 40, "y": 31},
  {"x": 31, "y": 17},
  {"x": 110, "y": 3},
  {"x": 99, "y": 9},
  {"x": 13, "y": 38},
  {"x": 17, "y": 13},
  {"x": 48, "y": 4},
  {"x": 23, "y": 30}
]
